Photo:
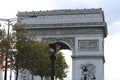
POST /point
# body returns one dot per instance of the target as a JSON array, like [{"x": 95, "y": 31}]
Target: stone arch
[
  {"x": 69, "y": 42},
  {"x": 81, "y": 30}
]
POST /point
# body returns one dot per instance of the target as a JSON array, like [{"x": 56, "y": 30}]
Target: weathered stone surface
[
  {"x": 82, "y": 30},
  {"x": 65, "y": 31}
]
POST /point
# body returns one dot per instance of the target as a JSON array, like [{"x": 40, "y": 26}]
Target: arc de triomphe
[{"x": 81, "y": 30}]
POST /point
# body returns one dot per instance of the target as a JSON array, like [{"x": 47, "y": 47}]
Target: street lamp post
[
  {"x": 52, "y": 57},
  {"x": 6, "y": 58},
  {"x": 8, "y": 34}
]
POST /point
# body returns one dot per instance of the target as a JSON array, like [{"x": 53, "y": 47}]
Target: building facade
[{"x": 81, "y": 30}]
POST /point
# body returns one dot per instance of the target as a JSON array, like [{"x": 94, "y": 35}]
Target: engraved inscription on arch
[{"x": 88, "y": 45}]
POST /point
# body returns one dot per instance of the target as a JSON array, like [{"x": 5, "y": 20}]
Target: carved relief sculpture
[{"x": 88, "y": 72}]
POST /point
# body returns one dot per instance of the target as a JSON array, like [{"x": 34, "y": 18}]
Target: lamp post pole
[
  {"x": 52, "y": 57},
  {"x": 52, "y": 66},
  {"x": 6, "y": 58},
  {"x": 7, "y": 51}
]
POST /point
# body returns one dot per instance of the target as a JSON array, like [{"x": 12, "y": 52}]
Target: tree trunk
[
  {"x": 32, "y": 77},
  {"x": 41, "y": 77},
  {"x": 16, "y": 73},
  {"x": 47, "y": 78}
]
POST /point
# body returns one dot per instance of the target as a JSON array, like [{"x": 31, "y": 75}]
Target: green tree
[
  {"x": 35, "y": 56},
  {"x": 23, "y": 44},
  {"x": 30, "y": 52},
  {"x": 42, "y": 64},
  {"x": 42, "y": 61},
  {"x": 2, "y": 50},
  {"x": 6, "y": 44},
  {"x": 61, "y": 67}
]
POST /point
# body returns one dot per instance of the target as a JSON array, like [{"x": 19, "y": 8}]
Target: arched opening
[{"x": 67, "y": 52}]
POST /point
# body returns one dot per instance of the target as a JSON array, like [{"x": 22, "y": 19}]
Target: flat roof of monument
[{"x": 61, "y": 12}]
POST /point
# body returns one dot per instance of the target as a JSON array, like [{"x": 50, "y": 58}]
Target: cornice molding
[
  {"x": 88, "y": 57},
  {"x": 60, "y": 12}
]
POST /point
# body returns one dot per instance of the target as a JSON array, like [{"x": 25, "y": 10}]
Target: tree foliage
[
  {"x": 61, "y": 67},
  {"x": 6, "y": 45},
  {"x": 2, "y": 50},
  {"x": 35, "y": 56},
  {"x": 31, "y": 55}
]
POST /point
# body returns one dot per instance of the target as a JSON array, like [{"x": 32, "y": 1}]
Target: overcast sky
[{"x": 9, "y": 9}]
